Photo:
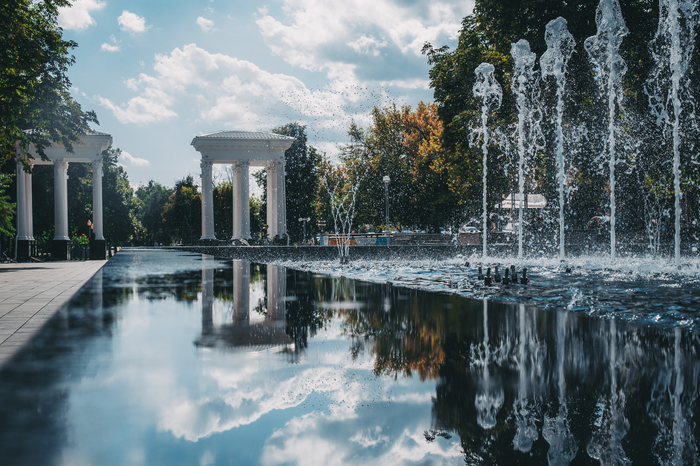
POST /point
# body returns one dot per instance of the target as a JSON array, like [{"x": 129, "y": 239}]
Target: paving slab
[{"x": 31, "y": 293}]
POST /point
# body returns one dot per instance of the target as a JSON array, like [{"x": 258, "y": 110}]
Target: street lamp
[
  {"x": 386, "y": 180},
  {"x": 302, "y": 219}
]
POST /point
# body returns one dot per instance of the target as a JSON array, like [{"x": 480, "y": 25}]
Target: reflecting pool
[{"x": 171, "y": 358}]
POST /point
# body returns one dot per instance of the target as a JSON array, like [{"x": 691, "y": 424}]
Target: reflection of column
[
  {"x": 207, "y": 201},
  {"x": 207, "y": 294},
  {"x": 60, "y": 193},
  {"x": 97, "y": 223},
  {"x": 276, "y": 292},
  {"x": 241, "y": 195},
  {"x": 97, "y": 290},
  {"x": 241, "y": 292},
  {"x": 275, "y": 198}
]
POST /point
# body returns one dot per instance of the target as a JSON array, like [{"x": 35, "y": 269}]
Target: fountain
[
  {"x": 672, "y": 48},
  {"x": 560, "y": 46},
  {"x": 489, "y": 91},
  {"x": 604, "y": 52},
  {"x": 526, "y": 88},
  {"x": 342, "y": 202}
]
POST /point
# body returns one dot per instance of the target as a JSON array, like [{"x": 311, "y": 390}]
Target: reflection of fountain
[
  {"x": 670, "y": 409},
  {"x": 560, "y": 46},
  {"x": 489, "y": 91},
  {"x": 489, "y": 400},
  {"x": 604, "y": 51},
  {"x": 526, "y": 432},
  {"x": 556, "y": 431},
  {"x": 606, "y": 444}
]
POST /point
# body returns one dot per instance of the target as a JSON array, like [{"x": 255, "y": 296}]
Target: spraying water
[
  {"x": 489, "y": 91},
  {"x": 560, "y": 46},
  {"x": 604, "y": 52},
  {"x": 525, "y": 84},
  {"x": 342, "y": 202},
  {"x": 672, "y": 49}
]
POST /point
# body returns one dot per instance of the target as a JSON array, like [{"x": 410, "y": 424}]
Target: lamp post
[
  {"x": 304, "y": 219},
  {"x": 386, "y": 180}
]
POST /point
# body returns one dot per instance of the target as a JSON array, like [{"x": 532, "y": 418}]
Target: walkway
[{"x": 31, "y": 293}]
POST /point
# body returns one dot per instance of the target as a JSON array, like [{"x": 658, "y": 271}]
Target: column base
[
  {"x": 60, "y": 249},
  {"x": 98, "y": 248},
  {"x": 25, "y": 249}
]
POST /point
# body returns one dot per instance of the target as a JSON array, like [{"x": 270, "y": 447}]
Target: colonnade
[
  {"x": 241, "y": 150},
  {"x": 88, "y": 151}
]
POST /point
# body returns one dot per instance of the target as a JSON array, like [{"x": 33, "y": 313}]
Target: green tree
[
  {"x": 35, "y": 103},
  {"x": 183, "y": 212},
  {"x": 154, "y": 197},
  {"x": 486, "y": 36},
  {"x": 118, "y": 200},
  {"x": 7, "y": 209},
  {"x": 406, "y": 146},
  {"x": 301, "y": 180}
]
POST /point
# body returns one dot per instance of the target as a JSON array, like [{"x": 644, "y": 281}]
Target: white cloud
[
  {"x": 127, "y": 159},
  {"x": 318, "y": 35},
  {"x": 235, "y": 94},
  {"x": 110, "y": 48},
  {"x": 132, "y": 22},
  {"x": 367, "y": 45},
  {"x": 204, "y": 23},
  {"x": 78, "y": 16}
]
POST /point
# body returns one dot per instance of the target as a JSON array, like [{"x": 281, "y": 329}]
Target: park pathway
[{"x": 31, "y": 293}]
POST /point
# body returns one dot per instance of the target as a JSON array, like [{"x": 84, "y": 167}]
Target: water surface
[{"x": 170, "y": 358}]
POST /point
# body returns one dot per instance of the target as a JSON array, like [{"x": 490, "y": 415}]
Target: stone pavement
[{"x": 31, "y": 293}]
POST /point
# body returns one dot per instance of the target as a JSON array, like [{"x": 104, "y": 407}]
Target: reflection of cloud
[
  {"x": 316, "y": 438},
  {"x": 369, "y": 437},
  {"x": 78, "y": 16}
]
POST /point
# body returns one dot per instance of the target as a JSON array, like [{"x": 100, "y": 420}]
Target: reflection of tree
[{"x": 304, "y": 318}]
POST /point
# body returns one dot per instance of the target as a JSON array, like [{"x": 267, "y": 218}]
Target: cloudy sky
[{"x": 160, "y": 72}]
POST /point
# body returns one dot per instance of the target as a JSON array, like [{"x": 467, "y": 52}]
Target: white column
[
  {"x": 97, "y": 222},
  {"x": 60, "y": 198},
  {"x": 22, "y": 220},
  {"x": 245, "y": 199},
  {"x": 275, "y": 198},
  {"x": 207, "y": 201},
  {"x": 30, "y": 209},
  {"x": 281, "y": 199},
  {"x": 271, "y": 170},
  {"x": 241, "y": 195}
]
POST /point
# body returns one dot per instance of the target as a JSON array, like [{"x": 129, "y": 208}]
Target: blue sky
[{"x": 160, "y": 72}]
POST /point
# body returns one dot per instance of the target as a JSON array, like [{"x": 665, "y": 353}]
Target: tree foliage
[
  {"x": 405, "y": 145},
  {"x": 183, "y": 212},
  {"x": 153, "y": 196},
  {"x": 35, "y": 103},
  {"x": 486, "y": 36}
]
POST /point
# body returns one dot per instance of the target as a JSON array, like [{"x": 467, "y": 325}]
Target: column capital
[
  {"x": 60, "y": 163},
  {"x": 97, "y": 165},
  {"x": 206, "y": 165}
]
